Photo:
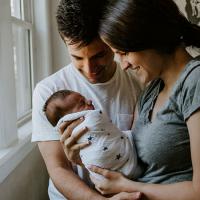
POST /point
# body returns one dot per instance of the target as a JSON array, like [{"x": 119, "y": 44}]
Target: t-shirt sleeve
[
  {"x": 42, "y": 130},
  {"x": 190, "y": 98}
]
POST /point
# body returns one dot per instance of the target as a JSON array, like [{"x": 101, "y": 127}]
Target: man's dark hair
[
  {"x": 78, "y": 20},
  {"x": 54, "y": 114}
]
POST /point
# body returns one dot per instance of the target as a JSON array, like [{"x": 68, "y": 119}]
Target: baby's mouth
[{"x": 91, "y": 107}]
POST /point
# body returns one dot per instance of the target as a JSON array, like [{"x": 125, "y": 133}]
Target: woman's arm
[{"x": 188, "y": 190}]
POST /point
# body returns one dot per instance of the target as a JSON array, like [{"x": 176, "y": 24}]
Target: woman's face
[{"x": 147, "y": 64}]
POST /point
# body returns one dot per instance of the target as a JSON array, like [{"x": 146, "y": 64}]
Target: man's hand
[
  {"x": 69, "y": 141},
  {"x": 126, "y": 196}
]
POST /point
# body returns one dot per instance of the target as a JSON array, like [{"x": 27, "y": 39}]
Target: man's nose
[{"x": 89, "y": 67}]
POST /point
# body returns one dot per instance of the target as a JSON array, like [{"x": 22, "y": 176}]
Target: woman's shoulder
[
  {"x": 191, "y": 74},
  {"x": 188, "y": 88}
]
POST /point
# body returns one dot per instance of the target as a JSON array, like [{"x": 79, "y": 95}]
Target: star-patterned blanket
[{"x": 110, "y": 148}]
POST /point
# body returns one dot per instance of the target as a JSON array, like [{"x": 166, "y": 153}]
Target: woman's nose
[{"x": 125, "y": 65}]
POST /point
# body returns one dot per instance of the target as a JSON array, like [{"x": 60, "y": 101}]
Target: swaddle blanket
[{"x": 110, "y": 148}]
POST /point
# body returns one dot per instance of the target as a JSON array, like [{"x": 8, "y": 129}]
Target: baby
[{"x": 110, "y": 148}]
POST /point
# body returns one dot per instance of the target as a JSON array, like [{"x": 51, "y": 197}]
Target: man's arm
[{"x": 62, "y": 175}]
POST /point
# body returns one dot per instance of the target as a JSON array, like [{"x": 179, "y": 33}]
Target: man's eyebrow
[
  {"x": 78, "y": 57},
  {"x": 96, "y": 55},
  {"x": 99, "y": 54}
]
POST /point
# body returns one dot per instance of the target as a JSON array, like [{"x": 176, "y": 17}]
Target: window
[
  {"x": 19, "y": 31},
  {"x": 22, "y": 27},
  {"x": 16, "y": 74},
  {"x": 16, "y": 66}
]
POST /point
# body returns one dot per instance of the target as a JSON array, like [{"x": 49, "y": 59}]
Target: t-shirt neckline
[{"x": 79, "y": 75}]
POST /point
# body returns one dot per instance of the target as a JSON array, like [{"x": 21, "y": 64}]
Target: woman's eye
[{"x": 125, "y": 53}]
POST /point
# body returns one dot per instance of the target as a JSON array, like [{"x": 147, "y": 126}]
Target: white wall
[
  {"x": 59, "y": 51},
  {"x": 28, "y": 181},
  {"x": 42, "y": 39},
  {"x": 185, "y": 7}
]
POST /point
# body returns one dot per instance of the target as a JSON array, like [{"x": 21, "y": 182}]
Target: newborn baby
[{"x": 110, "y": 148}]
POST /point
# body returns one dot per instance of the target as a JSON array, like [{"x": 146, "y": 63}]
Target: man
[{"x": 94, "y": 74}]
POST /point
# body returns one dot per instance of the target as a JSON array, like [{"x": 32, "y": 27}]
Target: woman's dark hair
[
  {"x": 78, "y": 20},
  {"x": 135, "y": 25}
]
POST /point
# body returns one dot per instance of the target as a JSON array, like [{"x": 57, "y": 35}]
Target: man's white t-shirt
[{"x": 116, "y": 97}]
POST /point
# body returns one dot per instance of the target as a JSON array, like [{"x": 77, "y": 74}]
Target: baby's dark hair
[{"x": 53, "y": 114}]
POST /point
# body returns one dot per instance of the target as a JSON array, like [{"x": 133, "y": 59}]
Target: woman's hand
[
  {"x": 69, "y": 141},
  {"x": 112, "y": 184}
]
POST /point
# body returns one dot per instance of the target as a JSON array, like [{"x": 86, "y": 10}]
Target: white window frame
[
  {"x": 27, "y": 26},
  {"x": 15, "y": 137}
]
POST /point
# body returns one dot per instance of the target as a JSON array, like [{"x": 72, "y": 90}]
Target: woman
[{"x": 150, "y": 37}]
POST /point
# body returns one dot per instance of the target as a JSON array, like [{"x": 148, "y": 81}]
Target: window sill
[{"x": 11, "y": 157}]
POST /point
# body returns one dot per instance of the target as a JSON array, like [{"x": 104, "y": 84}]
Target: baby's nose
[{"x": 89, "y": 102}]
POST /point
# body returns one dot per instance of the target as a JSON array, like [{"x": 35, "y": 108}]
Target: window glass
[
  {"x": 22, "y": 68},
  {"x": 16, "y": 8},
  {"x": 21, "y": 12}
]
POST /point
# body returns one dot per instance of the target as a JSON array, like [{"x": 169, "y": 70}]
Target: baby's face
[{"x": 76, "y": 102}]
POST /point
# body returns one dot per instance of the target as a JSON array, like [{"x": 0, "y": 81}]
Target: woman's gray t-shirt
[{"x": 163, "y": 145}]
